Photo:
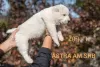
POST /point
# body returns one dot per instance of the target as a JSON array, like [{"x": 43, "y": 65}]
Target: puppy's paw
[
  {"x": 56, "y": 44},
  {"x": 29, "y": 60},
  {"x": 61, "y": 38},
  {"x": 11, "y": 30}
]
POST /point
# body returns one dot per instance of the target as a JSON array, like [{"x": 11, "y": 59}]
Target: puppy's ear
[{"x": 55, "y": 9}]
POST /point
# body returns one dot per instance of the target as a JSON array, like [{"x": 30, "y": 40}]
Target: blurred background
[{"x": 82, "y": 33}]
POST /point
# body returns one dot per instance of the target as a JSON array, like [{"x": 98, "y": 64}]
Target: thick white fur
[{"x": 35, "y": 26}]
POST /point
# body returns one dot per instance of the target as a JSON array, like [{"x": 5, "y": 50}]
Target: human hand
[
  {"x": 47, "y": 42},
  {"x": 9, "y": 43}
]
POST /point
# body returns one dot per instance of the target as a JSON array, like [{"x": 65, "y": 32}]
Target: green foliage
[
  {"x": 79, "y": 3},
  {"x": 3, "y": 24}
]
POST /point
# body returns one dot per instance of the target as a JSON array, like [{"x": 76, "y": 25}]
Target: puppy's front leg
[
  {"x": 60, "y": 36},
  {"x": 53, "y": 32}
]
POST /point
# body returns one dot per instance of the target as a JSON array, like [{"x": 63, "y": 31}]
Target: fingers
[{"x": 13, "y": 34}]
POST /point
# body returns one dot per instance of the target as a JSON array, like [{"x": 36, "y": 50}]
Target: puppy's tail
[{"x": 11, "y": 30}]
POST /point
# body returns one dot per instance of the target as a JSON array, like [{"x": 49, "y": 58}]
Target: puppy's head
[{"x": 60, "y": 14}]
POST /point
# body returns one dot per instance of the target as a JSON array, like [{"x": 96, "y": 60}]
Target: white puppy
[{"x": 35, "y": 26}]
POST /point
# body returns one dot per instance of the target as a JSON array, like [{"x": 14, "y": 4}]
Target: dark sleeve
[
  {"x": 43, "y": 58},
  {"x": 5, "y": 65},
  {"x": 2, "y": 64},
  {"x": 1, "y": 53}
]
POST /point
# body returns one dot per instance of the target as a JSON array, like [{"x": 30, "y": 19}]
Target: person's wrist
[{"x": 6, "y": 46}]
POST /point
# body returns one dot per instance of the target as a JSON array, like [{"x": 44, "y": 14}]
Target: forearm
[
  {"x": 3, "y": 48},
  {"x": 6, "y": 46}
]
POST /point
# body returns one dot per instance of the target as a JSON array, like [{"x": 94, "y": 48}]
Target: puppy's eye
[{"x": 64, "y": 14}]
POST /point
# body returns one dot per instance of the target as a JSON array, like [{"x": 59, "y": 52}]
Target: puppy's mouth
[
  {"x": 61, "y": 22},
  {"x": 64, "y": 22}
]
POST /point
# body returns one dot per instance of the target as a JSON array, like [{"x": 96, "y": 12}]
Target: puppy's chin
[{"x": 64, "y": 21}]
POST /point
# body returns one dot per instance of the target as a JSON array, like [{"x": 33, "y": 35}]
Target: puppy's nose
[{"x": 68, "y": 19}]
